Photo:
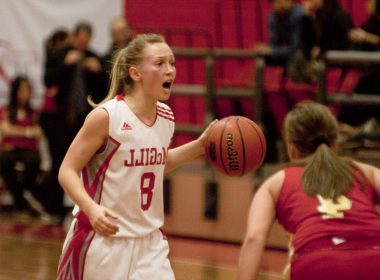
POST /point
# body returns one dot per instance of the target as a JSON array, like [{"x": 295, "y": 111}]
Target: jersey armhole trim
[{"x": 103, "y": 147}]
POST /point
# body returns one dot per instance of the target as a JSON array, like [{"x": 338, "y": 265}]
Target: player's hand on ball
[
  {"x": 203, "y": 137},
  {"x": 103, "y": 221}
]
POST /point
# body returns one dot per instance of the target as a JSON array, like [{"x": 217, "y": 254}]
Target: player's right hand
[{"x": 103, "y": 220}]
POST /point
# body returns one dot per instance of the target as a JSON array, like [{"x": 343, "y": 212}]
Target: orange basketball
[{"x": 235, "y": 146}]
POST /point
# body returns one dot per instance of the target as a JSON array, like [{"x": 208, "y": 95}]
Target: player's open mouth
[{"x": 167, "y": 84}]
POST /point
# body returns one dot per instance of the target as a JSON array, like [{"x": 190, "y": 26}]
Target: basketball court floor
[{"x": 30, "y": 250}]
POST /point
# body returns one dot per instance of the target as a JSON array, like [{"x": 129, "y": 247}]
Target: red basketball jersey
[{"x": 351, "y": 217}]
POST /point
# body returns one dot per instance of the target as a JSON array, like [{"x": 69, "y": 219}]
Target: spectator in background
[
  {"x": 121, "y": 35},
  {"x": 362, "y": 126},
  {"x": 73, "y": 72},
  {"x": 284, "y": 38},
  {"x": 81, "y": 76},
  {"x": 58, "y": 39},
  {"x": 56, "y": 42},
  {"x": 367, "y": 37},
  {"x": 325, "y": 26},
  {"x": 52, "y": 119},
  {"x": 331, "y": 26},
  {"x": 284, "y": 32},
  {"x": 20, "y": 159}
]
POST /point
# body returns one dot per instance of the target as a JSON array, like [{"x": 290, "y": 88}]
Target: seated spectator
[
  {"x": 21, "y": 133},
  {"x": 325, "y": 26},
  {"x": 284, "y": 32},
  {"x": 284, "y": 23},
  {"x": 364, "y": 120},
  {"x": 328, "y": 27},
  {"x": 367, "y": 37}
]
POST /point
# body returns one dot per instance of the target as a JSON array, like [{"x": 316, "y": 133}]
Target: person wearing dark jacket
[
  {"x": 325, "y": 27},
  {"x": 73, "y": 73}
]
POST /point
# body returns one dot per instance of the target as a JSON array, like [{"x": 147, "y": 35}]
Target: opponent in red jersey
[{"x": 326, "y": 202}]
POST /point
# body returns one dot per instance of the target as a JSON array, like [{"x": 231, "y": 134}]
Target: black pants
[
  {"x": 59, "y": 137},
  {"x": 19, "y": 180}
]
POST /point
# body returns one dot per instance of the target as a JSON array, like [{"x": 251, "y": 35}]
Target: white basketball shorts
[{"x": 89, "y": 256}]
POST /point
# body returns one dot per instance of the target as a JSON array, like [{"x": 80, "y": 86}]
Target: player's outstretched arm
[
  {"x": 260, "y": 220},
  {"x": 88, "y": 140},
  {"x": 187, "y": 152}
]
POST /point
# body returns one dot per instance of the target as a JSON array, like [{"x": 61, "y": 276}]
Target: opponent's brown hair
[{"x": 313, "y": 129}]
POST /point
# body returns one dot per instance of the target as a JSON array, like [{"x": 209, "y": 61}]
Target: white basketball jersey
[{"x": 126, "y": 175}]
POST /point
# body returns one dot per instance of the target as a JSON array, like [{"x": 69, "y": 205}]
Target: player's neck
[{"x": 144, "y": 108}]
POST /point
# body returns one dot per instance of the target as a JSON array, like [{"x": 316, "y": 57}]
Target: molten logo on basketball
[{"x": 232, "y": 154}]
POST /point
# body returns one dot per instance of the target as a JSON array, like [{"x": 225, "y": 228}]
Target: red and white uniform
[
  {"x": 331, "y": 239},
  {"x": 126, "y": 176}
]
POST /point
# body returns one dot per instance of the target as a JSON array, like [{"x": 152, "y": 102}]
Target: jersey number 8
[{"x": 146, "y": 187}]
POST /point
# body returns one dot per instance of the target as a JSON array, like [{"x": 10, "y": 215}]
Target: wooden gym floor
[{"x": 30, "y": 249}]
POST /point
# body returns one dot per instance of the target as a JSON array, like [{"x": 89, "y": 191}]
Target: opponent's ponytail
[{"x": 313, "y": 129}]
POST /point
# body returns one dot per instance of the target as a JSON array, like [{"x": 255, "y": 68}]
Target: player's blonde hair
[
  {"x": 123, "y": 60},
  {"x": 313, "y": 129}
]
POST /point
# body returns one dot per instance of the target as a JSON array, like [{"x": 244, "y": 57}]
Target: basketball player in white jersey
[{"x": 121, "y": 154}]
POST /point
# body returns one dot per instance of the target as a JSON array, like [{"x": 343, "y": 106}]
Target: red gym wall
[
  {"x": 207, "y": 15},
  {"x": 179, "y": 14}
]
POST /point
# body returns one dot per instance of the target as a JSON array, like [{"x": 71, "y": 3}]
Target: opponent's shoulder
[
  {"x": 368, "y": 170},
  {"x": 274, "y": 183}
]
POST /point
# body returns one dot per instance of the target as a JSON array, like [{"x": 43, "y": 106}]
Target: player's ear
[
  {"x": 293, "y": 153},
  {"x": 134, "y": 73}
]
